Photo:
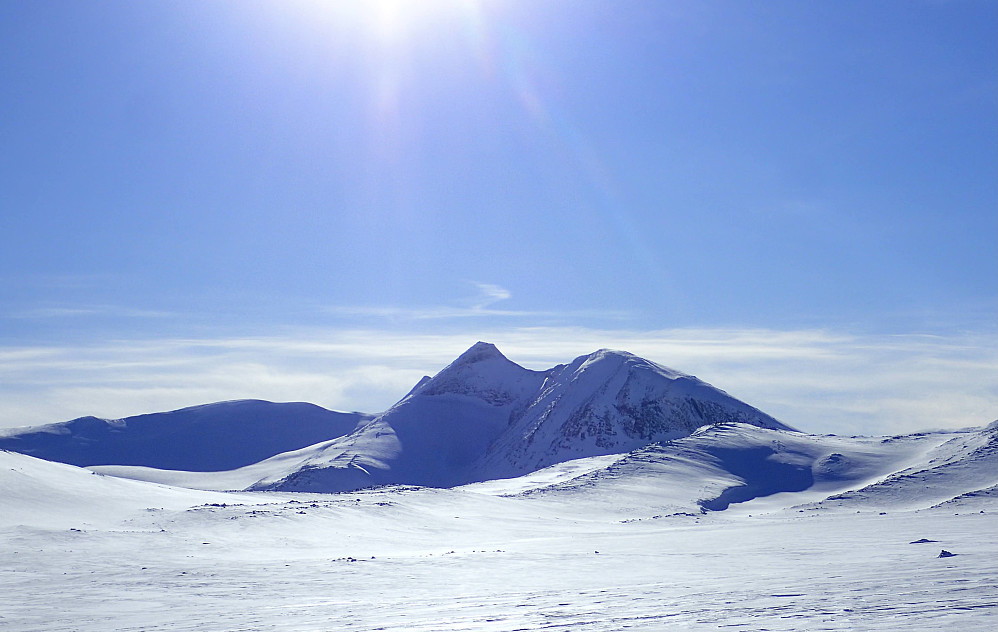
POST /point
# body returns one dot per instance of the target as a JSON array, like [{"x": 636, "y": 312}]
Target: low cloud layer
[{"x": 815, "y": 380}]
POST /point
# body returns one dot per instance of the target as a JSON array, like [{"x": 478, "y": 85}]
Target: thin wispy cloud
[
  {"x": 398, "y": 313},
  {"x": 816, "y": 380},
  {"x": 84, "y": 311},
  {"x": 489, "y": 294},
  {"x": 52, "y": 312},
  {"x": 480, "y": 304}
]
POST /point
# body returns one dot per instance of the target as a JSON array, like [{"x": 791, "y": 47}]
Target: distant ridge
[{"x": 211, "y": 437}]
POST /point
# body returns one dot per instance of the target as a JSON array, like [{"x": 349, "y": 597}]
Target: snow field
[
  {"x": 818, "y": 535},
  {"x": 424, "y": 559}
]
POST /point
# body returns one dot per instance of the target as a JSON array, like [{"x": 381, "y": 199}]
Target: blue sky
[{"x": 214, "y": 187}]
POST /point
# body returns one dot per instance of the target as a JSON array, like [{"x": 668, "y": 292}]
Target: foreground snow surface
[{"x": 86, "y": 552}]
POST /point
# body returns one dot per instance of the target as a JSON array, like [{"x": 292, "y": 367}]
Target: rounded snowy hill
[
  {"x": 759, "y": 470},
  {"x": 212, "y": 437}
]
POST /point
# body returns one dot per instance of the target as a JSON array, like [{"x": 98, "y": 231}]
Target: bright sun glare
[{"x": 391, "y": 20}]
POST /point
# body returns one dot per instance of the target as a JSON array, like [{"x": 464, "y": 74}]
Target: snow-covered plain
[{"x": 613, "y": 542}]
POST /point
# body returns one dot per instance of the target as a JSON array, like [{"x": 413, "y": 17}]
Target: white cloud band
[{"x": 816, "y": 380}]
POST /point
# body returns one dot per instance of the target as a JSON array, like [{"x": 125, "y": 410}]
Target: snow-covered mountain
[
  {"x": 213, "y": 437},
  {"x": 484, "y": 417},
  {"x": 732, "y": 525},
  {"x": 609, "y": 402}
]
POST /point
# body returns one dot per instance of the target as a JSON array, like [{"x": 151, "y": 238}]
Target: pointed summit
[
  {"x": 479, "y": 352},
  {"x": 483, "y": 372},
  {"x": 482, "y": 363}
]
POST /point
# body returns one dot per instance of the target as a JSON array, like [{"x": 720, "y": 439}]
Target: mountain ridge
[
  {"x": 479, "y": 418},
  {"x": 188, "y": 438}
]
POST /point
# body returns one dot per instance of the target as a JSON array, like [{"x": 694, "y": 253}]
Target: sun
[
  {"x": 388, "y": 21},
  {"x": 391, "y": 18}
]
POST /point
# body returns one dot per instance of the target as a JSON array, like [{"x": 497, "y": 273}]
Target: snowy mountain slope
[
  {"x": 356, "y": 460},
  {"x": 212, "y": 437},
  {"x": 737, "y": 468},
  {"x": 752, "y": 469},
  {"x": 40, "y": 493},
  {"x": 729, "y": 466},
  {"x": 484, "y": 417},
  {"x": 962, "y": 470},
  {"x": 446, "y": 423},
  {"x": 610, "y": 402}
]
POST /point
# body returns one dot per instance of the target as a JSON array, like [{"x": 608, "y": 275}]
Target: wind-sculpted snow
[
  {"x": 964, "y": 465},
  {"x": 212, "y": 437},
  {"x": 737, "y": 466}
]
